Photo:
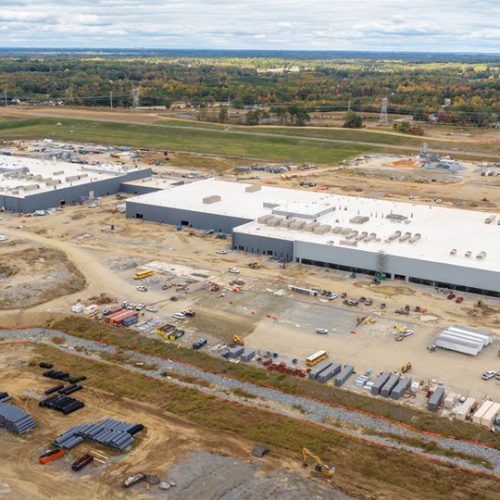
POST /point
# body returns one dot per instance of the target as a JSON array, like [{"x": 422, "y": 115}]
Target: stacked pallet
[
  {"x": 112, "y": 433},
  {"x": 15, "y": 420}
]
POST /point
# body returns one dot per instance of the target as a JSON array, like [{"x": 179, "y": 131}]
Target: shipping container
[
  {"x": 329, "y": 373},
  {"x": 436, "y": 398},
  {"x": 402, "y": 386},
  {"x": 379, "y": 383},
  {"x": 342, "y": 377},
  {"x": 313, "y": 374},
  {"x": 389, "y": 386},
  {"x": 490, "y": 415},
  {"x": 480, "y": 412}
]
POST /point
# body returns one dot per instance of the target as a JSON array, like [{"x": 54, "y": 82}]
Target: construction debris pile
[
  {"x": 15, "y": 420},
  {"x": 112, "y": 433}
]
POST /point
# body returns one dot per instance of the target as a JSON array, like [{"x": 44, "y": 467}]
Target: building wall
[
  {"x": 402, "y": 266},
  {"x": 137, "y": 189},
  {"x": 72, "y": 194},
  {"x": 283, "y": 249},
  {"x": 188, "y": 218}
]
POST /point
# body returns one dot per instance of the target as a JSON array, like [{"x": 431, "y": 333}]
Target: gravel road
[{"x": 283, "y": 403}]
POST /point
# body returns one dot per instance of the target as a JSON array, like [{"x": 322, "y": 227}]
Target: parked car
[
  {"x": 451, "y": 296},
  {"x": 166, "y": 286},
  {"x": 321, "y": 331},
  {"x": 200, "y": 344},
  {"x": 189, "y": 313},
  {"x": 151, "y": 309},
  {"x": 222, "y": 251},
  {"x": 459, "y": 300},
  {"x": 179, "y": 315},
  {"x": 233, "y": 270},
  {"x": 488, "y": 375},
  {"x": 139, "y": 307},
  {"x": 142, "y": 288}
]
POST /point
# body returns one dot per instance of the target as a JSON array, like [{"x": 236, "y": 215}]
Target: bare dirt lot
[
  {"x": 34, "y": 275},
  {"x": 167, "y": 440}
]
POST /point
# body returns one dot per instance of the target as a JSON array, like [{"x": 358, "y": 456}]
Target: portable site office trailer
[
  {"x": 481, "y": 411},
  {"x": 378, "y": 384},
  {"x": 435, "y": 399},
  {"x": 389, "y": 385},
  {"x": 490, "y": 415},
  {"x": 346, "y": 372}
]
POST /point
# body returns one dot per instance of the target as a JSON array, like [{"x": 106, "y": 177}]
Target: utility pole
[
  {"x": 5, "y": 97},
  {"x": 135, "y": 98},
  {"x": 349, "y": 106},
  {"x": 111, "y": 99},
  {"x": 383, "y": 112},
  {"x": 229, "y": 106}
]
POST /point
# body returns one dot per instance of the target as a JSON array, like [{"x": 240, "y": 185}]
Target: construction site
[{"x": 212, "y": 315}]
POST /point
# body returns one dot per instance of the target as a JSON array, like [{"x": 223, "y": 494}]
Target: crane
[{"x": 325, "y": 469}]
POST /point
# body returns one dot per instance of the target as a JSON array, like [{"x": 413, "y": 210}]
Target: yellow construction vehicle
[
  {"x": 254, "y": 265},
  {"x": 325, "y": 469},
  {"x": 406, "y": 367},
  {"x": 238, "y": 340}
]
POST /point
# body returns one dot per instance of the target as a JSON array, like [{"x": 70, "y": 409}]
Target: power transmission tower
[
  {"x": 135, "y": 98},
  {"x": 383, "y": 112}
]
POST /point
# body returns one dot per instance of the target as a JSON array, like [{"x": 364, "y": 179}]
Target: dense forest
[{"x": 455, "y": 91}]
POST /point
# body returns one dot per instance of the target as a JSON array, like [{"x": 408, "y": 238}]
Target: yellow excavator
[
  {"x": 237, "y": 340},
  {"x": 325, "y": 469}
]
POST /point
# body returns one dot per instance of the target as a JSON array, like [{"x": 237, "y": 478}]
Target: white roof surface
[
  {"x": 441, "y": 229},
  {"x": 38, "y": 172}
]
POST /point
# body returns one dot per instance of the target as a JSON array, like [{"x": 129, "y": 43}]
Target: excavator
[
  {"x": 325, "y": 469},
  {"x": 237, "y": 340}
]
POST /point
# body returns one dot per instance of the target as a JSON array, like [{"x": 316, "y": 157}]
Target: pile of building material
[
  {"x": 486, "y": 413},
  {"x": 462, "y": 411},
  {"x": 62, "y": 403},
  {"x": 15, "y": 420},
  {"x": 4, "y": 397},
  {"x": 463, "y": 339},
  {"x": 112, "y": 433}
]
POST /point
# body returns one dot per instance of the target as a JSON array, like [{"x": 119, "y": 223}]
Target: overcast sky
[{"x": 413, "y": 25}]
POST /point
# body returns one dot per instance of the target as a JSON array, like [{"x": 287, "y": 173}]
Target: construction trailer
[
  {"x": 489, "y": 417},
  {"x": 401, "y": 387},
  {"x": 313, "y": 374},
  {"x": 436, "y": 398},
  {"x": 329, "y": 373},
  {"x": 463, "y": 339},
  {"x": 379, "y": 383},
  {"x": 481, "y": 411},
  {"x": 464, "y": 409},
  {"x": 248, "y": 355},
  {"x": 389, "y": 386},
  {"x": 342, "y": 377}
]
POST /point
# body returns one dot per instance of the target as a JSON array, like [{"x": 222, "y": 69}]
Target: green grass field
[{"x": 195, "y": 139}]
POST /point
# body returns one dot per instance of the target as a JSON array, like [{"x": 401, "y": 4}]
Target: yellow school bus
[
  {"x": 316, "y": 358},
  {"x": 143, "y": 274}
]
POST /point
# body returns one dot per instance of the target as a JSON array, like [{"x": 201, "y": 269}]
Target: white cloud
[{"x": 423, "y": 25}]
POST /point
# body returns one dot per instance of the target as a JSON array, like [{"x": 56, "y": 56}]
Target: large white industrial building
[
  {"x": 29, "y": 184},
  {"x": 419, "y": 243}
]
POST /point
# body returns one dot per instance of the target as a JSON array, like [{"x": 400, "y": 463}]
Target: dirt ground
[
  {"x": 166, "y": 440},
  {"x": 34, "y": 275}
]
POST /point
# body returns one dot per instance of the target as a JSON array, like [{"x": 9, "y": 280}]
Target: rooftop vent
[
  {"x": 359, "y": 219},
  {"x": 253, "y": 188}
]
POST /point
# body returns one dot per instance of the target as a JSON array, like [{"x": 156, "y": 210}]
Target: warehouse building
[
  {"x": 29, "y": 184},
  {"x": 417, "y": 243}
]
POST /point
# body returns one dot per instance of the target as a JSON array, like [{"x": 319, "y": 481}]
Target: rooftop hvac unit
[
  {"x": 361, "y": 236},
  {"x": 211, "y": 199},
  {"x": 453, "y": 251},
  {"x": 481, "y": 255},
  {"x": 346, "y": 231},
  {"x": 58, "y": 172},
  {"x": 415, "y": 238},
  {"x": 311, "y": 226},
  {"x": 264, "y": 218},
  {"x": 297, "y": 224},
  {"x": 490, "y": 219},
  {"x": 72, "y": 178},
  {"x": 322, "y": 229},
  {"x": 348, "y": 243},
  {"x": 352, "y": 235},
  {"x": 359, "y": 219},
  {"x": 270, "y": 204},
  {"x": 468, "y": 253},
  {"x": 394, "y": 235},
  {"x": 405, "y": 237},
  {"x": 253, "y": 188},
  {"x": 31, "y": 187},
  {"x": 337, "y": 229},
  {"x": 370, "y": 237}
]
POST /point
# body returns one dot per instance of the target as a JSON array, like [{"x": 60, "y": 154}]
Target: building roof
[
  {"x": 427, "y": 232},
  {"x": 23, "y": 176}
]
